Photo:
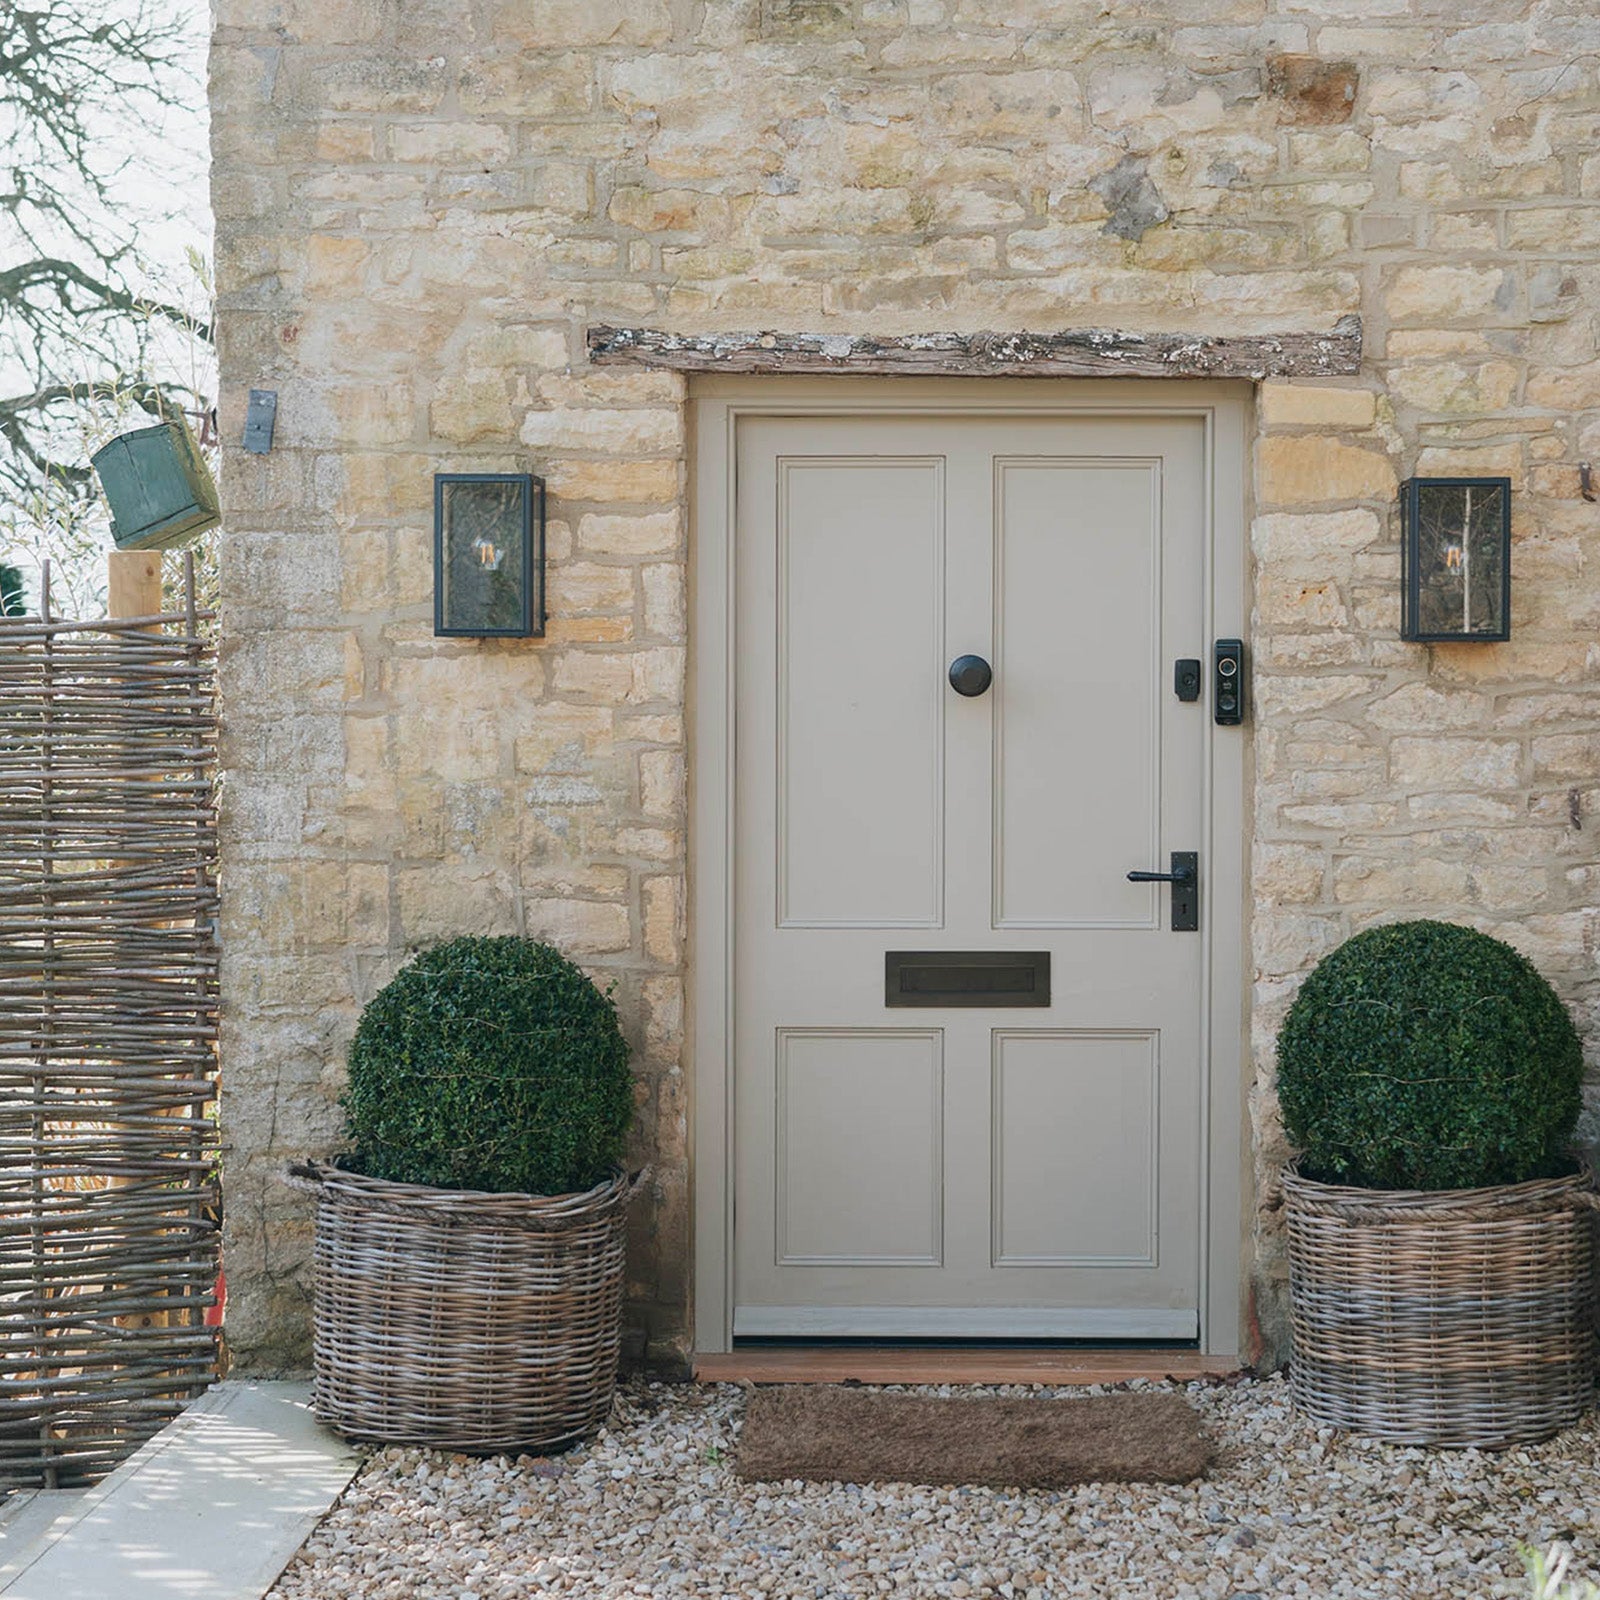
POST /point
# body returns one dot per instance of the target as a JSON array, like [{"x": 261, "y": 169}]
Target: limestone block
[
  {"x": 581, "y": 588},
  {"x": 1296, "y": 652},
  {"x": 528, "y": 87},
  {"x": 598, "y": 386},
  {"x": 1341, "y": 820},
  {"x": 1313, "y": 469},
  {"x": 1292, "y": 942},
  {"x": 1447, "y": 294},
  {"x": 437, "y": 902},
  {"x": 603, "y": 676},
  {"x": 658, "y": 675},
  {"x": 1449, "y": 388},
  {"x": 470, "y": 406},
  {"x": 664, "y": 601},
  {"x": 577, "y": 880},
  {"x": 1471, "y": 461},
  {"x": 449, "y": 143},
  {"x": 1572, "y": 755},
  {"x": 1566, "y": 388},
  {"x": 661, "y": 784},
  {"x": 1286, "y": 873},
  {"x": 637, "y": 432},
  {"x": 662, "y": 918},
  {"x": 646, "y": 482},
  {"x": 1420, "y": 707},
  {"x": 653, "y": 533},
  {"x": 1454, "y": 763},
  {"x": 649, "y": 844},
  {"x": 1414, "y": 883},
  {"x": 579, "y": 927},
  {"x": 1318, "y": 537},
  {"x": 1300, "y": 405},
  {"x": 1461, "y": 808},
  {"x": 569, "y": 24},
  {"x": 1278, "y": 697},
  {"x": 1285, "y": 602}
]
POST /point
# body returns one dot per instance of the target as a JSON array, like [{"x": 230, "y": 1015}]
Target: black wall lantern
[
  {"x": 1456, "y": 562},
  {"x": 488, "y": 554}
]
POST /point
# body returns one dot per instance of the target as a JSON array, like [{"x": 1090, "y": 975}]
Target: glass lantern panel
[
  {"x": 484, "y": 560},
  {"x": 1460, "y": 558}
]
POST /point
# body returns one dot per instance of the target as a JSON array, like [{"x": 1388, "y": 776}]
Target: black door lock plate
[
  {"x": 1227, "y": 682},
  {"x": 1186, "y": 678}
]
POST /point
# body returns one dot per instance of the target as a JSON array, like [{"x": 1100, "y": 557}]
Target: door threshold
[{"x": 1063, "y": 1365}]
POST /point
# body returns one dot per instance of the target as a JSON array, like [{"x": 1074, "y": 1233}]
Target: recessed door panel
[
  {"x": 1075, "y": 1117},
  {"x": 1077, "y": 720},
  {"x": 860, "y": 1148},
  {"x": 860, "y": 622}
]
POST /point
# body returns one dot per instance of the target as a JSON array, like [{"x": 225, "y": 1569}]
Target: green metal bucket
[{"x": 159, "y": 487}]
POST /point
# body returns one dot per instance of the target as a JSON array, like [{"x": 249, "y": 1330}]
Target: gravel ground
[{"x": 652, "y": 1508}]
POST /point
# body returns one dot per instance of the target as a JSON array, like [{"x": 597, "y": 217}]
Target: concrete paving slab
[{"x": 210, "y": 1509}]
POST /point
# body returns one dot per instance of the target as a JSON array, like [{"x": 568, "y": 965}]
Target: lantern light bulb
[
  {"x": 1452, "y": 557},
  {"x": 489, "y": 554}
]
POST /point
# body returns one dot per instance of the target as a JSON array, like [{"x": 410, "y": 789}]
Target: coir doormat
[{"x": 825, "y": 1434}]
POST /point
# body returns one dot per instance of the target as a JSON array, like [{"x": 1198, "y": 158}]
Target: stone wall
[{"x": 422, "y": 205}]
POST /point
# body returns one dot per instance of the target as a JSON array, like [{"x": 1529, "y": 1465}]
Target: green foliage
[
  {"x": 1428, "y": 1056},
  {"x": 493, "y": 1064},
  {"x": 12, "y": 603},
  {"x": 1549, "y": 1575}
]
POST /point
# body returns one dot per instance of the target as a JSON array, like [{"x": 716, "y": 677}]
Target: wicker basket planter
[
  {"x": 465, "y": 1321},
  {"x": 1452, "y": 1317}
]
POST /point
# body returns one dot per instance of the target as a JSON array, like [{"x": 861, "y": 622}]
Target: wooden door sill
[{"x": 931, "y": 1364}]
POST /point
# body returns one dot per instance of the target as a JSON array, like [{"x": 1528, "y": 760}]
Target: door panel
[
  {"x": 860, "y": 1147},
  {"x": 985, "y": 1171},
  {"x": 1075, "y": 1118},
  {"x": 1077, "y": 623},
  {"x": 860, "y": 617}
]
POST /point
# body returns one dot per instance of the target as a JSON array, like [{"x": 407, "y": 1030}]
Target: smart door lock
[{"x": 1227, "y": 682}]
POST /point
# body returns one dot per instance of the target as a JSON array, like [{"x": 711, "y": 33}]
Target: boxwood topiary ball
[
  {"x": 493, "y": 1064},
  {"x": 1428, "y": 1056}
]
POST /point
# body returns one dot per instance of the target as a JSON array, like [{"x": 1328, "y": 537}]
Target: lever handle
[{"x": 1185, "y": 881}]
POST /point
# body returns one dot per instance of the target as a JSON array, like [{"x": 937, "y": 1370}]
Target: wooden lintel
[{"x": 1076, "y": 353}]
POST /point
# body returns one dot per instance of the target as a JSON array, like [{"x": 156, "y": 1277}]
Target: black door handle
[
  {"x": 1185, "y": 881},
  {"x": 1180, "y": 875},
  {"x": 970, "y": 675}
]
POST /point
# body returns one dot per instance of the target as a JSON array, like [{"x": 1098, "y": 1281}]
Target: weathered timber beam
[{"x": 1077, "y": 353}]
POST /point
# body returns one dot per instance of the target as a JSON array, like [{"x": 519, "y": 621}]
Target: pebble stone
[{"x": 651, "y": 1509}]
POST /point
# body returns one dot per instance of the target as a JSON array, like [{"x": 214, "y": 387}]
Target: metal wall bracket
[{"x": 259, "y": 416}]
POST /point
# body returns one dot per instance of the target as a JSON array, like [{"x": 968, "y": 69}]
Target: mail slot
[{"x": 966, "y": 978}]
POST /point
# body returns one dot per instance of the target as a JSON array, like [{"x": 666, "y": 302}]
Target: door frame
[{"x": 716, "y": 406}]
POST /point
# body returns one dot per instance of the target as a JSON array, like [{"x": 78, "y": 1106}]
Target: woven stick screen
[{"x": 108, "y": 1017}]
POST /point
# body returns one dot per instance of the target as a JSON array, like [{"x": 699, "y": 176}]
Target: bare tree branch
[{"x": 80, "y": 82}]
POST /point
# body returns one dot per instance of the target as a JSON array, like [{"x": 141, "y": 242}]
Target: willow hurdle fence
[{"x": 109, "y": 1194}]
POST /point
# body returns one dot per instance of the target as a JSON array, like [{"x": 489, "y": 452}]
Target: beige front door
[{"x": 966, "y": 1161}]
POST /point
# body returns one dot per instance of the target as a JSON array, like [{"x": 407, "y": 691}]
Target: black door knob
[{"x": 970, "y": 675}]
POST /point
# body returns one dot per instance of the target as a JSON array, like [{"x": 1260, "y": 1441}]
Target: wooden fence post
[{"x": 133, "y": 587}]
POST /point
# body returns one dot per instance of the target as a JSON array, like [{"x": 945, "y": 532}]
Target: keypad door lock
[{"x": 1227, "y": 682}]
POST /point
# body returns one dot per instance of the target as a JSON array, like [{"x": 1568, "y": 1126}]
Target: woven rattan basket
[
  {"x": 465, "y": 1321},
  {"x": 1457, "y": 1317}
]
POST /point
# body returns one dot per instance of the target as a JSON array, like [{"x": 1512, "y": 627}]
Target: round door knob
[{"x": 970, "y": 675}]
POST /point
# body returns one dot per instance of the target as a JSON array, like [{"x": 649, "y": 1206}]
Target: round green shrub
[
  {"x": 1428, "y": 1056},
  {"x": 491, "y": 1064}
]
